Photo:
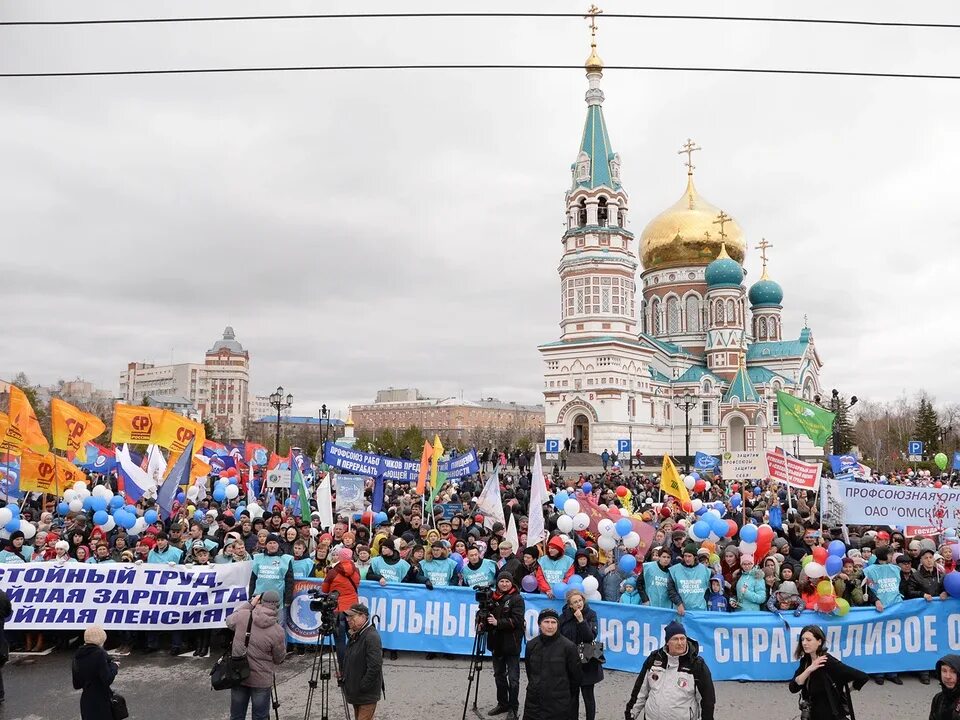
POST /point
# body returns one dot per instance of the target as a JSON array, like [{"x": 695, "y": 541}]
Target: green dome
[
  {"x": 765, "y": 292},
  {"x": 723, "y": 271}
]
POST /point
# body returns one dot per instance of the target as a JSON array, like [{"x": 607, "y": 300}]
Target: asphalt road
[{"x": 160, "y": 687}]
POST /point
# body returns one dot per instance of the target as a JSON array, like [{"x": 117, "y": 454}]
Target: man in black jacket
[
  {"x": 504, "y": 625},
  {"x": 553, "y": 672},
  {"x": 945, "y": 702},
  {"x": 363, "y": 664},
  {"x": 927, "y": 583}
]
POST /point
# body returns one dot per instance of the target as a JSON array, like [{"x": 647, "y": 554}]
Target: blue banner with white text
[
  {"x": 396, "y": 469},
  {"x": 909, "y": 636}
]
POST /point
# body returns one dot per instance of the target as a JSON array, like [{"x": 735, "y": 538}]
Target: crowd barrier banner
[
  {"x": 909, "y": 636},
  {"x": 395, "y": 469},
  {"x": 73, "y": 596},
  {"x": 858, "y": 503}
]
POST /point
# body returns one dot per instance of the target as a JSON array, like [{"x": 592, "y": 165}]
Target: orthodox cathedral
[{"x": 697, "y": 347}]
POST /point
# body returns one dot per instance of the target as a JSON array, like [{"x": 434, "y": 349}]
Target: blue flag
[
  {"x": 179, "y": 475},
  {"x": 844, "y": 464},
  {"x": 956, "y": 461},
  {"x": 702, "y": 461},
  {"x": 377, "y": 503}
]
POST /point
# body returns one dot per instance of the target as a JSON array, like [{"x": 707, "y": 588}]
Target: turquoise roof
[
  {"x": 667, "y": 347},
  {"x": 658, "y": 376},
  {"x": 723, "y": 272},
  {"x": 784, "y": 348},
  {"x": 766, "y": 293},
  {"x": 596, "y": 144},
  {"x": 741, "y": 388},
  {"x": 760, "y": 375},
  {"x": 695, "y": 374}
]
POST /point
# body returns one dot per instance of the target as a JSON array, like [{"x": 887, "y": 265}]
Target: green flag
[
  {"x": 298, "y": 484},
  {"x": 802, "y": 418},
  {"x": 441, "y": 481}
]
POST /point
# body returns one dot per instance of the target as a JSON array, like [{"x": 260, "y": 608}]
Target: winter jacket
[
  {"x": 946, "y": 703},
  {"x": 268, "y": 642},
  {"x": 657, "y": 580},
  {"x": 345, "y": 579},
  {"x": 717, "y": 599},
  {"x": 751, "y": 590},
  {"x": 542, "y": 585},
  {"x": 612, "y": 581},
  {"x": 689, "y": 586},
  {"x": 883, "y": 584},
  {"x": 363, "y": 667},
  {"x": 583, "y": 632},
  {"x": 631, "y": 597},
  {"x": 673, "y": 687},
  {"x": 272, "y": 572},
  {"x": 553, "y": 675},
  {"x": 824, "y": 686},
  {"x": 94, "y": 672},
  {"x": 922, "y": 582},
  {"x": 506, "y": 637}
]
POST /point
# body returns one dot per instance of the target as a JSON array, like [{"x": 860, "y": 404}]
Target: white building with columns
[{"x": 695, "y": 347}]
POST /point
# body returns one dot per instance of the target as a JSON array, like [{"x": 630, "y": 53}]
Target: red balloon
[
  {"x": 734, "y": 488},
  {"x": 938, "y": 484},
  {"x": 699, "y": 486},
  {"x": 764, "y": 533},
  {"x": 731, "y": 528},
  {"x": 820, "y": 555},
  {"x": 827, "y": 603},
  {"x": 665, "y": 511},
  {"x": 366, "y": 518},
  {"x": 687, "y": 506},
  {"x": 478, "y": 519},
  {"x": 621, "y": 491},
  {"x": 231, "y": 472}
]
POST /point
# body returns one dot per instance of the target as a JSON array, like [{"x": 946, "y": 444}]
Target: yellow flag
[
  {"x": 437, "y": 452},
  {"x": 73, "y": 428},
  {"x": 135, "y": 424},
  {"x": 199, "y": 465},
  {"x": 38, "y": 472},
  {"x": 25, "y": 419},
  {"x": 11, "y": 439},
  {"x": 69, "y": 475},
  {"x": 671, "y": 483},
  {"x": 176, "y": 432}
]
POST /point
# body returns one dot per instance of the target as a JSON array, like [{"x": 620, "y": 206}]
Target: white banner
[
  {"x": 278, "y": 479},
  {"x": 73, "y": 596},
  {"x": 854, "y": 503},
  {"x": 744, "y": 465}
]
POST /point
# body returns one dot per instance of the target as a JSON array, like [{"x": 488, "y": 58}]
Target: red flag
[{"x": 424, "y": 466}]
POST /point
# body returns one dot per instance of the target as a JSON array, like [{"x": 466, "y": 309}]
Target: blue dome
[
  {"x": 765, "y": 292},
  {"x": 723, "y": 271}
]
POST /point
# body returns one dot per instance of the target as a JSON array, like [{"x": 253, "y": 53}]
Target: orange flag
[
  {"x": 24, "y": 419},
  {"x": 135, "y": 424},
  {"x": 424, "y": 467},
  {"x": 73, "y": 428},
  {"x": 176, "y": 432},
  {"x": 38, "y": 471},
  {"x": 69, "y": 475},
  {"x": 11, "y": 439}
]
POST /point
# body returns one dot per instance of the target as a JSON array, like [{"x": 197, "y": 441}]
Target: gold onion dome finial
[{"x": 594, "y": 63}]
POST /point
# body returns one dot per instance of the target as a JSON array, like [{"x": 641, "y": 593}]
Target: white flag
[
  {"x": 156, "y": 464},
  {"x": 536, "y": 528},
  {"x": 489, "y": 503},
  {"x": 512, "y": 534},
  {"x": 325, "y": 502}
]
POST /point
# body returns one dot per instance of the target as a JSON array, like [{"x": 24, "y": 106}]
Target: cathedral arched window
[
  {"x": 762, "y": 329},
  {"x": 602, "y": 212},
  {"x": 582, "y": 213},
  {"x": 655, "y": 318},
  {"x": 643, "y": 316},
  {"x": 673, "y": 316},
  {"x": 693, "y": 313},
  {"x": 731, "y": 313},
  {"x": 774, "y": 329},
  {"x": 621, "y": 218},
  {"x": 718, "y": 312}
]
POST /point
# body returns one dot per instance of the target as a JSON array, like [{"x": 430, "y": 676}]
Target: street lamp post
[
  {"x": 324, "y": 426},
  {"x": 686, "y": 402},
  {"x": 835, "y": 402},
  {"x": 278, "y": 402}
]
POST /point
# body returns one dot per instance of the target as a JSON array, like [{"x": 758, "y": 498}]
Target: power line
[
  {"x": 453, "y": 66},
  {"x": 381, "y": 16}
]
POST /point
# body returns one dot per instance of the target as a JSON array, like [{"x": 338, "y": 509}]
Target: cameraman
[{"x": 504, "y": 624}]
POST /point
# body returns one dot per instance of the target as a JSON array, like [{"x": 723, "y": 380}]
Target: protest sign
[
  {"x": 854, "y": 503},
  {"x": 743, "y": 465},
  {"x": 784, "y": 468}
]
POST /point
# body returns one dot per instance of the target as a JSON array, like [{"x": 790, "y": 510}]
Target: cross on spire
[
  {"x": 763, "y": 246},
  {"x": 592, "y": 16},
  {"x": 722, "y": 220},
  {"x": 689, "y": 147}
]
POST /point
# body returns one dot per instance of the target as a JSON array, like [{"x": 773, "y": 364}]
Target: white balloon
[
  {"x": 748, "y": 548},
  {"x": 595, "y": 596},
  {"x": 29, "y": 529},
  {"x": 565, "y": 523},
  {"x": 83, "y": 494},
  {"x": 110, "y": 524},
  {"x": 696, "y": 503},
  {"x": 192, "y": 492},
  {"x": 814, "y": 570},
  {"x": 79, "y": 485},
  {"x": 571, "y": 507},
  {"x": 606, "y": 527},
  {"x": 682, "y": 524},
  {"x": 139, "y": 526},
  {"x": 102, "y": 491},
  {"x": 69, "y": 495},
  {"x": 581, "y": 521},
  {"x": 707, "y": 485},
  {"x": 6, "y": 515},
  {"x": 693, "y": 535},
  {"x": 314, "y": 532},
  {"x": 590, "y": 584},
  {"x": 4, "y": 535},
  {"x": 232, "y": 491},
  {"x": 606, "y": 543},
  {"x": 76, "y": 505},
  {"x": 714, "y": 512},
  {"x": 631, "y": 540},
  {"x": 624, "y": 512},
  {"x": 689, "y": 482}
]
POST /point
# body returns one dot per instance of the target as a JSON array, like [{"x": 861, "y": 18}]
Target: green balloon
[{"x": 941, "y": 460}]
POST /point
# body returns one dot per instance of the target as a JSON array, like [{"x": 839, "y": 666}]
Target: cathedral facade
[{"x": 688, "y": 348}]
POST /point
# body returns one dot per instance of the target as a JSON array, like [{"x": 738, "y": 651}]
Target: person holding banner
[{"x": 821, "y": 679}]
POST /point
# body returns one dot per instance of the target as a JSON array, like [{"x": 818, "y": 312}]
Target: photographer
[
  {"x": 504, "y": 624},
  {"x": 363, "y": 664}
]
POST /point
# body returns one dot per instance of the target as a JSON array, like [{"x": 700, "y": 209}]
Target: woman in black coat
[
  {"x": 578, "y": 624},
  {"x": 821, "y": 679},
  {"x": 94, "y": 672}
]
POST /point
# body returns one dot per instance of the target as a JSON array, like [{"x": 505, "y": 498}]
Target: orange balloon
[{"x": 707, "y": 545}]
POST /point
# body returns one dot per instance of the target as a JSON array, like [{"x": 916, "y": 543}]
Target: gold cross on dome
[
  {"x": 592, "y": 16},
  {"x": 763, "y": 246},
  {"x": 722, "y": 219},
  {"x": 690, "y": 147}
]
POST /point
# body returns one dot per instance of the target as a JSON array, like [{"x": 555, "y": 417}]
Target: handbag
[
  {"x": 230, "y": 671},
  {"x": 118, "y": 707},
  {"x": 591, "y": 651}
]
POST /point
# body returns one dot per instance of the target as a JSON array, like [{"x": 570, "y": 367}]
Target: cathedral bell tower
[{"x": 725, "y": 313}]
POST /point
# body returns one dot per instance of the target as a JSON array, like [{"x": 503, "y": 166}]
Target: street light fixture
[
  {"x": 686, "y": 402},
  {"x": 278, "y": 403},
  {"x": 324, "y": 427}
]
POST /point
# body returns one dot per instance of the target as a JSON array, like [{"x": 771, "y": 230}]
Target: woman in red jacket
[{"x": 343, "y": 577}]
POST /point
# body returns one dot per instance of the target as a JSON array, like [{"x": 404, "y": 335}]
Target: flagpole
[{"x": 786, "y": 461}]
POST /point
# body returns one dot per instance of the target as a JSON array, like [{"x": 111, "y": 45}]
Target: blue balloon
[
  {"x": 127, "y": 520},
  {"x": 559, "y": 499},
  {"x": 575, "y": 581},
  {"x": 232, "y": 481},
  {"x": 701, "y": 512},
  {"x": 748, "y": 533},
  {"x": 97, "y": 503},
  {"x": 951, "y": 583},
  {"x": 458, "y": 559},
  {"x": 15, "y": 509},
  {"x": 834, "y": 565},
  {"x": 198, "y": 516},
  {"x": 116, "y": 502},
  {"x": 357, "y": 517},
  {"x": 381, "y": 518},
  {"x": 100, "y": 517},
  {"x": 837, "y": 548},
  {"x": 695, "y": 475},
  {"x": 587, "y": 488},
  {"x": 12, "y": 526},
  {"x": 63, "y": 508},
  {"x": 219, "y": 493},
  {"x": 181, "y": 497},
  {"x": 756, "y": 490},
  {"x": 701, "y": 528},
  {"x": 150, "y": 516},
  {"x": 719, "y": 527},
  {"x": 627, "y": 563},
  {"x": 720, "y": 507},
  {"x": 88, "y": 502},
  {"x": 559, "y": 590},
  {"x": 735, "y": 501},
  {"x": 623, "y": 527}
]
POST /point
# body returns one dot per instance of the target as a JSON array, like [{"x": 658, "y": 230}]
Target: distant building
[
  {"x": 217, "y": 388},
  {"x": 260, "y": 407},
  {"x": 299, "y": 429},
  {"x": 178, "y": 404},
  {"x": 398, "y": 410}
]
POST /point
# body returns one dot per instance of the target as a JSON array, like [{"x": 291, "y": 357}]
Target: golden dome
[
  {"x": 687, "y": 233},
  {"x": 594, "y": 63}
]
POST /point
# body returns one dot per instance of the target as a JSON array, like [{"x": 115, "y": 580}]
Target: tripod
[
  {"x": 476, "y": 665},
  {"x": 325, "y": 663}
]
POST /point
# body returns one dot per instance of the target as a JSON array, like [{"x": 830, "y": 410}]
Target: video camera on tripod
[{"x": 325, "y": 604}]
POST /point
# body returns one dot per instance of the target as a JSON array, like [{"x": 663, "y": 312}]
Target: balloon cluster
[
  {"x": 572, "y": 518},
  {"x": 226, "y": 487},
  {"x": 826, "y": 563}
]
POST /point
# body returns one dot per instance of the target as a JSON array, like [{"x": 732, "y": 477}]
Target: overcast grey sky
[{"x": 361, "y": 230}]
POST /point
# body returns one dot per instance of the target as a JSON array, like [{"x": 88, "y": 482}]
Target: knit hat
[
  {"x": 504, "y": 575},
  {"x": 787, "y": 587},
  {"x": 62, "y": 545},
  {"x": 273, "y": 537},
  {"x": 672, "y": 630},
  {"x": 547, "y": 613},
  {"x": 533, "y": 552},
  {"x": 16, "y": 534},
  {"x": 690, "y": 548},
  {"x": 270, "y": 597},
  {"x": 388, "y": 542}
]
